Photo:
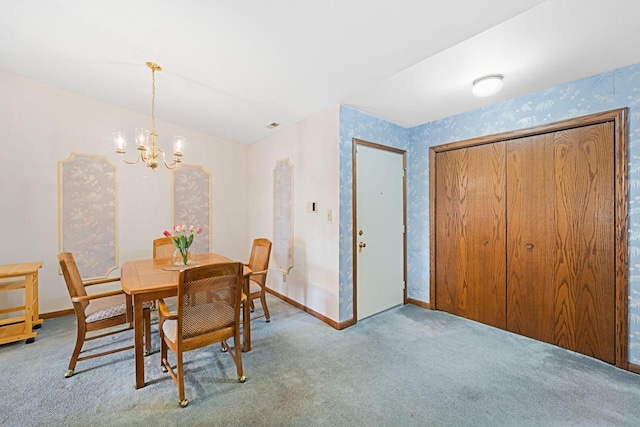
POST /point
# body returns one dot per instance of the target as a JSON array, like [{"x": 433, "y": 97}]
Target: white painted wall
[
  {"x": 313, "y": 147},
  {"x": 41, "y": 125}
]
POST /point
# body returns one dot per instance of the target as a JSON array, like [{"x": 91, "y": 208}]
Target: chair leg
[
  {"x": 251, "y": 306},
  {"x": 147, "y": 331},
  {"x": 263, "y": 301},
  {"x": 163, "y": 350},
  {"x": 80, "y": 337},
  {"x": 183, "y": 402},
  {"x": 237, "y": 356}
]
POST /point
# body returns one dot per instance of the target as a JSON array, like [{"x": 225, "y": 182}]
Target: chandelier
[{"x": 149, "y": 153}]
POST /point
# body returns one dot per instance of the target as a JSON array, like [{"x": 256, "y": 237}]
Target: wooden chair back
[
  {"x": 208, "y": 311},
  {"x": 259, "y": 259},
  {"x": 73, "y": 280},
  {"x": 163, "y": 247},
  {"x": 209, "y": 301}
]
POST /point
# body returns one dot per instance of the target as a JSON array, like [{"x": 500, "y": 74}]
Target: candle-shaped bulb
[
  {"x": 119, "y": 142},
  {"x": 178, "y": 145}
]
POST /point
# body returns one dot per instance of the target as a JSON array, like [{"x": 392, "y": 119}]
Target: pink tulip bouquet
[{"x": 182, "y": 238}]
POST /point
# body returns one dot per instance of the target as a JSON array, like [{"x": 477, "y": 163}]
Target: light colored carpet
[{"x": 405, "y": 367}]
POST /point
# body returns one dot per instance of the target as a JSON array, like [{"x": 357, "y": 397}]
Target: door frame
[
  {"x": 355, "y": 143},
  {"x": 621, "y": 256}
]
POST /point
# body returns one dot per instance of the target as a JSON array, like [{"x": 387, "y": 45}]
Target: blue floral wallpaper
[
  {"x": 355, "y": 124},
  {"x": 606, "y": 91}
]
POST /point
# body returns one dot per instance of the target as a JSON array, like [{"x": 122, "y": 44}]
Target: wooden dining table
[{"x": 151, "y": 279}]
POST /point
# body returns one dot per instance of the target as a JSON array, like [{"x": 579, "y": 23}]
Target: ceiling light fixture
[
  {"x": 487, "y": 85},
  {"x": 150, "y": 154}
]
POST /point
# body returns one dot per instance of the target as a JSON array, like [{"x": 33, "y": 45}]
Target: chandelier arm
[
  {"x": 172, "y": 165},
  {"x": 131, "y": 162}
]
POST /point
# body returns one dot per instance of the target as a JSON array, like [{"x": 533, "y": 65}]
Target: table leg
[
  {"x": 138, "y": 335},
  {"x": 29, "y": 281},
  {"x": 246, "y": 311},
  {"x": 37, "y": 321}
]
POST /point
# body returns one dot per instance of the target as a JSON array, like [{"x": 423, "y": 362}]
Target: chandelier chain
[{"x": 153, "y": 100}]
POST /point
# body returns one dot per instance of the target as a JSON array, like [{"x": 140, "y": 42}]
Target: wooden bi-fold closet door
[
  {"x": 529, "y": 233},
  {"x": 560, "y": 239},
  {"x": 471, "y": 231}
]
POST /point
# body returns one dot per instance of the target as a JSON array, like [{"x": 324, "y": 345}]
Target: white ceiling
[{"x": 233, "y": 67}]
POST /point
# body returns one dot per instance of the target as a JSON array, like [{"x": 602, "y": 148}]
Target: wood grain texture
[
  {"x": 470, "y": 261},
  {"x": 529, "y": 246},
  {"x": 621, "y": 225},
  {"x": 570, "y": 302},
  {"x": 561, "y": 239}
]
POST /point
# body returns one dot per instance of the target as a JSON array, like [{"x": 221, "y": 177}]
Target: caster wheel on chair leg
[
  {"x": 69, "y": 373},
  {"x": 184, "y": 403},
  {"x": 242, "y": 379}
]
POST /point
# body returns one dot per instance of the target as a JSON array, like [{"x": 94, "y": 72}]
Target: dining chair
[
  {"x": 98, "y": 311},
  {"x": 259, "y": 265},
  {"x": 208, "y": 311},
  {"x": 163, "y": 247}
]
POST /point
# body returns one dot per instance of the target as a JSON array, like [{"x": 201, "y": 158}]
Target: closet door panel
[
  {"x": 530, "y": 246},
  {"x": 470, "y": 236},
  {"x": 561, "y": 239}
]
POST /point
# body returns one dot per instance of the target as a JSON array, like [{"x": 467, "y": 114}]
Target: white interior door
[{"x": 380, "y": 230}]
